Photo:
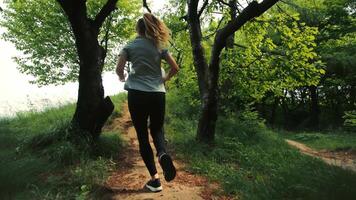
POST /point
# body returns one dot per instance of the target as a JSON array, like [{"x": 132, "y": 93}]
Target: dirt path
[
  {"x": 342, "y": 159},
  {"x": 128, "y": 181}
]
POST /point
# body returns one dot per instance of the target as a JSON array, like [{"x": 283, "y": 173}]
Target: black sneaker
[
  {"x": 169, "y": 171},
  {"x": 154, "y": 185}
]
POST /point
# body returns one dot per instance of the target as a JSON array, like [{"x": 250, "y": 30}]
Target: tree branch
[
  {"x": 184, "y": 28},
  {"x": 264, "y": 51},
  {"x": 105, "y": 11},
  {"x": 206, "y": 2},
  {"x": 253, "y": 10},
  {"x": 195, "y": 34},
  {"x": 185, "y": 17},
  {"x": 106, "y": 37},
  {"x": 65, "y": 6},
  {"x": 233, "y": 9},
  {"x": 223, "y": 2},
  {"x": 145, "y": 5},
  {"x": 238, "y": 2},
  {"x": 233, "y": 13},
  {"x": 216, "y": 30},
  {"x": 252, "y": 62},
  {"x": 72, "y": 8},
  {"x": 232, "y": 4},
  {"x": 179, "y": 53}
]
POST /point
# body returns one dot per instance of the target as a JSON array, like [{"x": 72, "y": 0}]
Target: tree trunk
[
  {"x": 206, "y": 126},
  {"x": 285, "y": 109},
  {"x": 200, "y": 63},
  {"x": 209, "y": 115},
  {"x": 92, "y": 109},
  {"x": 207, "y": 121},
  {"x": 273, "y": 112},
  {"x": 208, "y": 75},
  {"x": 314, "y": 108}
]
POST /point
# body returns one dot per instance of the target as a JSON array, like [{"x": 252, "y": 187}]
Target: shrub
[
  {"x": 350, "y": 121},
  {"x": 244, "y": 125}
]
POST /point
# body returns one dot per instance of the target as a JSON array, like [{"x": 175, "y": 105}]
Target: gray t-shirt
[{"x": 145, "y": 73}]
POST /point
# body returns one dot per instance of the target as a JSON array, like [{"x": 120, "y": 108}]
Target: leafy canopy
[
  {"x": 40, "y": 29},
  {"x": 273, "y": 53}
]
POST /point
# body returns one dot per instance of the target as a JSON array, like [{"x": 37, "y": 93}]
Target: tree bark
[
  {"x": 195, "y": 34},
  {"x": 206, "y": 126},
  {"x": 314, "y": 108},
  {"x": 209, "y": 115},
  {"x": 92, "y": 109},
  {"x": 285, "y": 111},
  {"x": 207, "y": 121},
  {"x": 273, "y": 112},
  {"x": 208, "y": 74}
]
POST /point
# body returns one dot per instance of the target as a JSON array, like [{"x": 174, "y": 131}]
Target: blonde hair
[{"x": 154, "y": 29}]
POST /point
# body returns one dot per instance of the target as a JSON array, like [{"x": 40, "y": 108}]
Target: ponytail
[{"x": 154, "y": 29}]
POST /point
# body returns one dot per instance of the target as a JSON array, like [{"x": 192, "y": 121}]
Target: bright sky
[{"x": 17, "y": 94}]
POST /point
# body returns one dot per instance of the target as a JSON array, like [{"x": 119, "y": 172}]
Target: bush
[
  {"x": 42, "y": 157},
  {"x": 350, "y": 121},
  {"x": 60, "y": 144},
  {"x": 180, "y": 104},
  {"x": 244, "y": 125}
]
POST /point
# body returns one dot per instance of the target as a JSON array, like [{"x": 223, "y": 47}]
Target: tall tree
[
  {"x": 335, "y": 21},
  {"x": 65, "y": 40},
  {"x": 92, "y": 110},
  {"x": 208, "y": 71}
]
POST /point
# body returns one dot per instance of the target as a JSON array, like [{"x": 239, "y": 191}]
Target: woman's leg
[
  {"x": 139, "y": 114},
  {"x": 156, "y": 113}
]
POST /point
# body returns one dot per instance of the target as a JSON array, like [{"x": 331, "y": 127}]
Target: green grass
[
  {"x": 58, "y": 169},
  {"x": 328, "y": 140},
  {"x": 252, "y": 162},
  {"x": 249, "y": 161}
]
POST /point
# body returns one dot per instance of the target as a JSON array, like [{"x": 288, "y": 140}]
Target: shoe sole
[
  {"x": 169, "y": 171},
  {"x": 153, "y": 189}
]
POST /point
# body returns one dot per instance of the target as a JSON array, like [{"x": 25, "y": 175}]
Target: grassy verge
[
  {"x": 329, "y": 141},
  {"x": 252, "y": 162},
  {"x": 56, "y": 170}
]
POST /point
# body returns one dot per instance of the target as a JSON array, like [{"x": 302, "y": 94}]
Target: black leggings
[{"x": 144, "y": 105}]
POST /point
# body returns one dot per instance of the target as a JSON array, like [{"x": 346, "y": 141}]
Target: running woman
[{"x": 146, "y": 92}]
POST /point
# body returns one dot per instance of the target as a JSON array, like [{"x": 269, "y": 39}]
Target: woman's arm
[
  {"x": 120, "y": 68},
  {"x": 174, "y": 67}
]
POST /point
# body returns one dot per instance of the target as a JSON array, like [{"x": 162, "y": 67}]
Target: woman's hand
[{"x": 174, "y": 68}]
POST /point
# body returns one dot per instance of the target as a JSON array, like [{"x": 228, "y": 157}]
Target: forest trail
[
  {"x": 344, "y": 159},
  {"x": 127, "y": 182}
]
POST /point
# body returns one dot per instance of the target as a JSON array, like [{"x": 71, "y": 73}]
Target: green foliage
[
  {"x": 273, "y": 55},
  {"x": 60, "y": 144},
  {"x": 333, "y": 141},
  {"x": 185, "y": 83},
  {"x": 336, "y": 44},
  {"x": 39, "y": 159},
  {"x": 307, "y": 137},
  {"x": 340, "y": 79},
  {"x": 42, "y": 32},
  {"x": 258, "y": 165},
  {"x": 187, "y": 104},
  {"x": 350, "y": 121},
  {"x": 244, "y": 125}
]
